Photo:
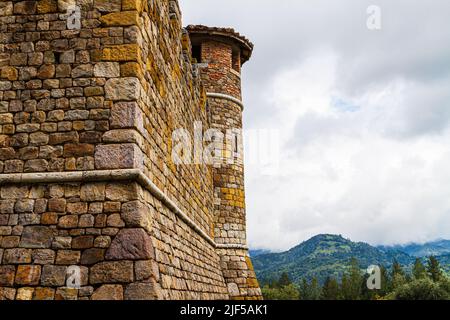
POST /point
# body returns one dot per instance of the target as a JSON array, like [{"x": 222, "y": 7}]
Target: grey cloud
[{"x": 412, "y": 52}]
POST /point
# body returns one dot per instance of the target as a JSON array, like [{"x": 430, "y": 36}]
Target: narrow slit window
[
  {"x": 236, "y": 61},
  {"x": 197, "y": 53}
]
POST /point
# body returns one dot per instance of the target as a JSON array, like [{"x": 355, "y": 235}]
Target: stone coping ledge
[
  {"x": 225, "y": 97},
  {"x": 114, "y": 175}
]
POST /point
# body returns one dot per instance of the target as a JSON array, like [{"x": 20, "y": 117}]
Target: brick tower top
[
  {"x": 200, "y": 33},
  {"x": 222, "y": 52}
]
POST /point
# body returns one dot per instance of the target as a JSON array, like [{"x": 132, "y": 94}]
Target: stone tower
[
  {"x": 92, "y": 205},
  {"x": 221, "y": 52}
]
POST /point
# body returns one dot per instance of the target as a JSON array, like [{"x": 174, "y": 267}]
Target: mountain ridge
[{"x": 327, "y": 255}]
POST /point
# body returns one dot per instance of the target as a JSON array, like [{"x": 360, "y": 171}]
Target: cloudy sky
[{"x": 363, "y": 117}]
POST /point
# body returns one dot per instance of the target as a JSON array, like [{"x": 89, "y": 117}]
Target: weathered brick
[
  {"x": 92, "y": 256},
  {"x": 44, "y": 294},
  {"x": 66, "y": 294},
  {"x": 118, "y": 156},
  {"x": 37, "y": 165},
  {"x": 131, "y": 244},
  {"x": 68, "y": 222},
  {"x": 43, "y": 256},
  {"x": 93, "y": 192},
  {"x": 142, "y": 291},
  {"x": 53, "y": 276},
  {"x": 68, "y": 257},
  {"x": 25, "y": 294},
  {"x": 24, "y": 206},
  {"x": 121, "y": 192},
  {"x": 108, "y": 292},
  {"x": 112, "y": 272},
  {"x": 36, "y": 237},
  {"x": 124, "y": 18},
  {"x": 107, "y": 70},
  {"x": 17, "y": 256},
  {"x": 49, "y": 218},
  {"x": 78, "y": 150},
  {"x": 25, "y": 7},
  {"x": 57, "y": 205},
  {"x": 28, "y": 275},
  {"x": 77, "y": 208},
  {"x": 124, "y": 89},
  {"x": 83, "y": 242},
  {"x": 63, "y": 137},
  {"x": 108, "y": 5}
]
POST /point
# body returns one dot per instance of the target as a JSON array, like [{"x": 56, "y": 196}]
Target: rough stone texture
[
  {"x": 53, "y": 276},
  {"x": 28, "y": 275},
  {"x": 36, "y": 237},
  {"x": 92, "y": 256},
  {"x": 131, "y": 244},
  {"x": 141, "y": 291},
  {"x": 112, "y": 272},
  {"x": 7, "y": 274},
  {"x": 108, "y": 292},
  {"x": 123, "y": 89},
  {"x": 17, "y": 256},
  {"x": 107, "y": 70},
  {"x": 118, "y": 156},
  {"x": 109, "y": 97}
]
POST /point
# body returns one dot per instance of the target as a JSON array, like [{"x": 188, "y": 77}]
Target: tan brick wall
[{"x": 86, "y": 176}]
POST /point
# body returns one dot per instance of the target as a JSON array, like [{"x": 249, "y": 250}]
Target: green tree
[
  {"x": 284, "y": 280},
  {"x": 398, "y": 275},
  {"x": 289, "y": 292},
  {"x": 422, "y": 289},
  {"x": 397, "y": 269},
  {"x": 351, "y": 286},
  {"x": 330, "y": 289},
  {"x": 315, "y": 290},
  {"x": 310, "y": 290},
  {"x": 386, "y": 284},
  {"x": 419, "y": 271},
  {"x": 356, "y": 280},
  {"x": 366, "y": 293},
  {"x": 304, "y": 290},
  {"x": 434, "y": 269}
]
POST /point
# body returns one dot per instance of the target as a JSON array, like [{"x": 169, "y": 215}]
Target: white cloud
[
  {"x": 348, "y": 171},
  {"x": 363, "y": 117}
]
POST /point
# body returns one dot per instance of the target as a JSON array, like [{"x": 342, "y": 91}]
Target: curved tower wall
[{"x": 221, "y": 55}]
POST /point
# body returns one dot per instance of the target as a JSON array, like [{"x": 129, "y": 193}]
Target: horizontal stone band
[
  {"x": 225, "y": 97},
  {"x": 113, "y": 175}
]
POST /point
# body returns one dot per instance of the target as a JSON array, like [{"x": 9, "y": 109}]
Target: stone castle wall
[{"x": 86, "y": 176}]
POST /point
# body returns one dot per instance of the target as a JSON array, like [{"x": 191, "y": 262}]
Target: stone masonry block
[
  {"x": 131, "y": 244},
  {"x": 123, "y": 89},
  {"x": 107, "y": 70},
  {"x": 118, "y": 156},
  {"x": 137, "y": 214},
  {"x": 127, "y": 115},
  {"x": 112, "y": 272},
  {"x": 124, "y": 52},
  {"x": 120, "y": 19},
  {"x": 109, "y": 292}
]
